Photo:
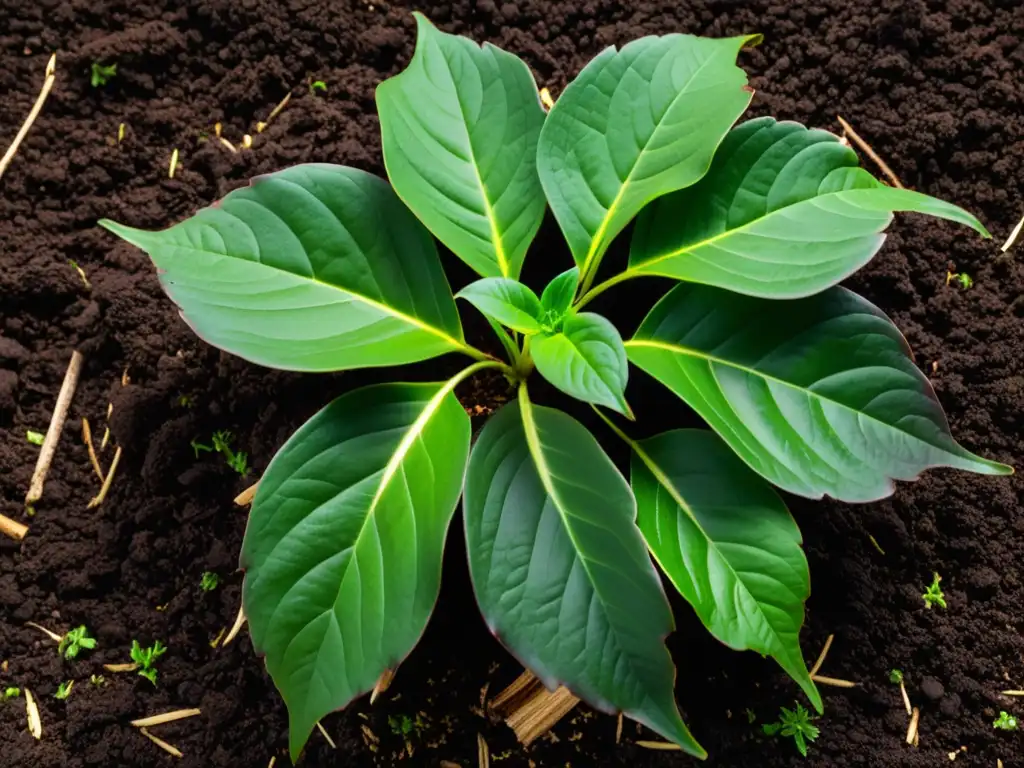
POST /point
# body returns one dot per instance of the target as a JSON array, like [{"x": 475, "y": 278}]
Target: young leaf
[
  {"x": 727, "y": 542},
  {"x": 344, "y": 543},
  {"x": 818, "y": 395},
  {"x": 509, "y": 302},
  {"x": 783, "y": 213},
  {"x": 313, "y": 268},
  {"x": 560, "y": 570},
  {"x": 558, "y": 295},
  {"x": 459, "y": 129},
  {"x": 636, "y": 124},
  {"x": 586, "y": 360}
]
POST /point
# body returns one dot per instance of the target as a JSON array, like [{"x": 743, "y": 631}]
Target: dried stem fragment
[
  {"x": 382, "y": 685},
  {"x": 1013, "y": 236},
  {"x": 326, "y": 735},
  {"x": 52, "y": 635},
  {"x": 35, "y": 725},
  {"x": 50, "y": 78},
  {"x": 667, "y": 746},
  {"x": 866, "y": 148},
  {"x": 822, "y": 655},
  {"x": 106, "y": 483},
  {"x": 915, "y": 719},
  {"x": 87, "y": 438},
  {"x": 60, "y": 413},
  {"x": 166, "y": 717},
  {"x": 237, "y": 626},
  {"x": 12, "y": 528},
  {"x": 483, "y": 752},
  {"x": 834, "y": 682},
  {"x": 168, "y": 748},
  {"x": 245, "y": 497}
]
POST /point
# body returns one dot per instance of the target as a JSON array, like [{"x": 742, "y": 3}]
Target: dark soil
[{"x": 934, "y": 85}]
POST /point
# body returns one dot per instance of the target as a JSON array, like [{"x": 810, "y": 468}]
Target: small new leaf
[
  {"x": 146, "y": 658},
  {"x": 895, "y": 677},
  {"x": 505, "y": 301},
  {"x": 64, "y": 690},
  {"x": 101, "y": 73},
  {"x": 933, "y": 595},
  {"x": 209, "y": 581},
  {"x": 557, "y": 297},
  {"x": 12, "y": 693},
  {"x": 36, "y": 438},
  {"x": 1005, "y": 722},
  {"x": 795, "y": 724},
  {"x": 74, "y": 641}
]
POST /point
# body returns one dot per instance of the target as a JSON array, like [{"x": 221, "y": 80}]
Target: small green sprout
[
  {"x": 64, "y": 690},
  {"x": 146, "y": 658},
  {"x": 98, "y": 680},
  {"x": 186, "y": 401},
  {"x": 198, "y": 447},
  {"x": 101, "y": 74},
  {"x": 209, "y": 582},
  {"x": 1005, "y": 722},
  {"x": 934, "y": 595},
  {"x": 74, "y": 641},
  {"x": 222, "y": 444},
  {"x": 401, "y": 725},
  {"x": 317, "y": 85},
  {"x": 964, "y": 280},
  {"x": 36, "y": 438},
  {"x": 751, "y": 717},
  {"x": 796, "y": 724},
  {"x": 11, "y": 693},
  {"x": 895, "y": 677}
]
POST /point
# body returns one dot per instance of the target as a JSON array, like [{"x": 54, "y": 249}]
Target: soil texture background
[{"x": 934, "y": 85}]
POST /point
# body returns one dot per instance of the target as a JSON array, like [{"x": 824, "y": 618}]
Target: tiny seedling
[
  {"x": 1005, "y": 722},
  {"x": 36, "y": 438},
  {"x": 209, "y": 582},
  {"x": 74, "y": 641},
  {"x": 751, "y": 717},
  {"x": 101, "y": 73},
  {"x": 64, "y": 690},
  {"x": 934, "y": 595},
  {"x": 146, "y": 658},
  {"x": 795, "y": 724},
  {"x": 401, "y": 725},
  {"x": 221, "y": 443},
  {"x": 962, "y": 279},
  {"x": 895, "y": 677},
  {"x": 11, "y": 693},
  {"x": 317, "y": 85},
  {"x": 98, "y": 680}
]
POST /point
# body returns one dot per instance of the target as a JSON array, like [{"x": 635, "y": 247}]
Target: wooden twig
[
  {"x": 50, "y": 78},
  {"x": 667, "y": 746},
  {"x": 906, "y": 698},
  {"x": 87, "y": 438},
  {"x": 915, "y": 720},
  {"x": 1013, "y": 236},
  {"x": 237, "y": 627},
  {"x": 98, "y": 499},
  {"x": 866, "y": 148},
  {"x": 483, "y": 752},
  {"x": 1012, "y": 693},
  {"x": 822, "y": 655},
  {"x": 168, "y": 748},
  {"x": 60, "y": 412},
  {"x": 52, "y": 635},
  {"x": 166, "y": 717},
  {"x": 834, "y": 682},
  {"x": 245, "y": 497},
  {"x": 618, "y": 729},
  {"x": 12, "y": 528},
  {"x": 35, "y": 725},
  {"x": 326, "y": 735},
  {"x": 262, "y": 126},
  {"x": 540, "y": 713},
  {"x": 129, "y": 667}
]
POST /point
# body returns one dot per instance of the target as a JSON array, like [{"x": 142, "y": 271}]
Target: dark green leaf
[
  {"x": 459, "y": 129},
  {"x": 343, "y": 548},
  {"x": 586, "y": 360},
  {"x": 636, "y": 124},
  {"x": 784, "y": 212},
  {"x": 727, "y": 542},
  {"x": 818, "y": 395},
  {"x": 560, "y": 570},
  {"x": 313, "y": 268},
  {"x": 507, "y": 301}
]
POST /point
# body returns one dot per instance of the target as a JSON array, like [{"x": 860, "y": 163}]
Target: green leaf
[
  {"x": 818, "y": 395},
  {"x": 344, "y": 543},
  {"x": 560, "y": 570},
  {"x": 507, "y": 301},
  {"x": 783, "y": 213},
  {"x": 459, "y": 130},
  {"x": 727, "y": 542},
  {"x": 557, "y": 297},
  {"x": 636, "y": 124},
  {"x": 313, "y": 268},
  {"x": 585, "y": 360}
]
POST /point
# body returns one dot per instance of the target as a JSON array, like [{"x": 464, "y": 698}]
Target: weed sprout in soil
[{"x": 805, "y": 386}]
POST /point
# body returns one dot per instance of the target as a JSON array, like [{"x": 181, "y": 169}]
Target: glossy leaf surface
[{"x": 509, "y": 302}]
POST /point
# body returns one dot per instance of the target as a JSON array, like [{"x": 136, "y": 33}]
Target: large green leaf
[
  {"x": 784, "y": 212},
  {"x": 344, "y": 543},
  {"x": 507, "y": 301},
  {"x": 727, "y": 542},
  {"x": 313, "y": 268},
  {"x": 636, "y": 124},
  {"x": 818, "y": 395},
  {"x": 560, "y": 569},
  {"x": 586, "y": 360},
  {"x": 459, "y": 129}
]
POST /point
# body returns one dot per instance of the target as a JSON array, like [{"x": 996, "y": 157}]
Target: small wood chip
[
  {"x": 49, "y": 78},
  {"x": 245, "y": 498},
  {"x": 382, "y": 685},
  {"x": 866, "y": 148},
  {"x": 483, "y": 752},
  {"x": 236, "y": 627},
  {"x": 87, "y": 439},
  {"x": 130, "y": 667},
  {"x": 915, "y": 719},
  {"x": 906, "y": 699},
  {"x": 1013, "y": 236},
  {"x": 273, "y": 759},
  {"x": 834, "y": 682},
  {"x": 35, "y": 725},
  {"x": 618, "y": 729},
  {"x": 52, "y": 635},
  {"x": 368, "y": 734},
  {"x": 666, "y": 746},
  {"x": 326, "y": 735},
  {"x": 168, "y": 748},
  {"x": 174, "y": 164},
  {"x": 60, "y": 412},
  {"x": 822, "y": 655},
  {"x": 166, "y": 717},
  {"x": 12, "y": 528},
  {"x": 98, "y": 499}
]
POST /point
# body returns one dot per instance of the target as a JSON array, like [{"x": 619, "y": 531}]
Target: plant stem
[
  {"x": 611, "y": 425},
  {"x": 589, "y": 294}
]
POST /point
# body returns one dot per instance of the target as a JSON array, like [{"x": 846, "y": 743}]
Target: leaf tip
[{"x": 752, "y": 41}]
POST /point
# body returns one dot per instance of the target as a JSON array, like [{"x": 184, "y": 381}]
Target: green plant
[
  {"x": 12, "y": 693},
  {"x": 895, "y": 677},
  {"x": 962, "y": 279},
  {"x": 146, "y": 658},
  {"x": 794, "y": 723},
  {"x": 933, "y": 595},
  {"x": 209, "y": 581},
  {"x": 1005, "y": 722},
  {"x": 36, "y": 438},
  {"x": 98, "y": 680},
  {"x": 326, "y": 268},
  {"x": 64, "y": 690},
  {"x": 100, "y": 74},
  {"x": 74, "y": 641},
  {"x": 221, "y": 443},
  {"x": 317, "y": 85}
]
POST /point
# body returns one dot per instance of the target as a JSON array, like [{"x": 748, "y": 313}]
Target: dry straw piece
[
  {"x": 483, "y": 752},
  {"x": 237, "y": 627},
  {"x": 98, "y": 499},
  {"x": 60, "y": 413},
  {"x": 867, "y": 150},
  {"x": 915, "y": 720},
  {"x": 382, "y": 685},
  {"x": 326, "y": 735},
  {"x": 666, "y": 746},
  {"x": 50, "y": 78},
  {"x": 168, "y": 748},
  {"x": 1013, "y": 236},
  {"x": 35, "y": 725},
  {"x": 12, "y": 528},
  {"x": 245, "y": 498},
  {"x": 49, "y": 633},
  {"x": 87, "y": 439},
  {"x": 166, "y": 717}
]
